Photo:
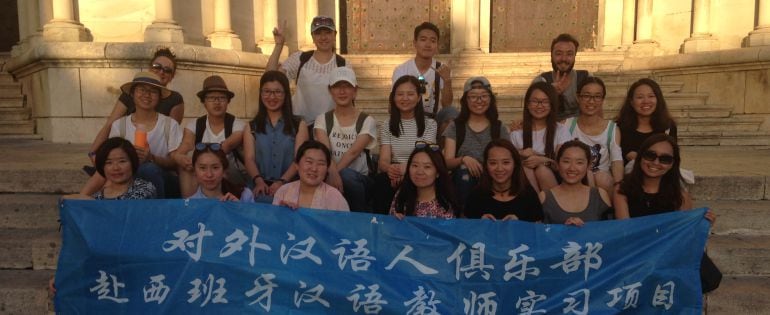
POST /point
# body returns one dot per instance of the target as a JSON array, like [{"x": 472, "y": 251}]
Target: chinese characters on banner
[{"x": 177, "y": 256}]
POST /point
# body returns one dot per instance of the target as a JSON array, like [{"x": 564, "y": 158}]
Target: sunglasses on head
[
  {"x": 212, "y": 146},
  {"x": 160, "y": 67},
  {"x": 424, "y": 144},
  {"x": 663, "y": 158}
]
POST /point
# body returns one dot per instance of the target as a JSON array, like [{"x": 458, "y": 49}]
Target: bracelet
[{"x": 254, "y": 179}]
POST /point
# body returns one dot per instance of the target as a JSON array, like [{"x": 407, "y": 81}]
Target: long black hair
[
  {"x": 669, "y": 195},
  {"x": 660, "y": 120},
  {"x": 394, "y": 124},
  {"x": 291, "y": 123},
  {"x": 518, "y": 179},
  {"x": 491, "y": 114},
  {"x": 406, "y": 198},
  {"x": 227, "y": 186},
  {"x": 550, "y": 120}
]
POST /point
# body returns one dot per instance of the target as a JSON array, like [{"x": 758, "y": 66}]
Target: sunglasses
[
  {"x": 663, "y": 158},
  {"x": 419, "y": 145},
  {"x": 212, "y": 146},
  {"x": 161, "y": 68}
]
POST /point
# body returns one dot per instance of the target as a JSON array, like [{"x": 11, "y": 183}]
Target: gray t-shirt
[
  {"x": 474, "y": 142},
  {"x": 554, "y": 214}
]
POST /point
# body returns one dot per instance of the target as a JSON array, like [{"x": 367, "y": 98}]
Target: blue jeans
[
  {"x": 463, "y": 183},
  {"x": 356, "y": 186},
  {"x": 165, "y": 182}
]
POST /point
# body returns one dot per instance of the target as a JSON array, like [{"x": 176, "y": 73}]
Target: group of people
[{"x": 562, "y": 162}]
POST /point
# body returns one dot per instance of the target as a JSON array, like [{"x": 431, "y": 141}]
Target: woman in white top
[
  {"x": 603, "y": 136},
  {"x": 541, "y": 136},
  {"x": 217, "y": 126},
  {"x": 407, "y": 125}
]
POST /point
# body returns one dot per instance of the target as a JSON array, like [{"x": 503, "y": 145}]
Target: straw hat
[{"x": 148, "y": 78}]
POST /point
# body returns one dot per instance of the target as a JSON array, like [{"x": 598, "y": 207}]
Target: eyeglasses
[
  {"x": 216, "y": 99},
  {"x": 419, "y": 145},
  {"x": 146, "y": 90},
  {"x": 543, "y": 102},
  {"x": 663, "y": 158},
  {"x": 587, "y": 97},
  {"x": 476, "y": 98},
  {"x": 212, "y": 146},
  {"x": 161, "y": 68},
  {"x": 278, "y": 93}
]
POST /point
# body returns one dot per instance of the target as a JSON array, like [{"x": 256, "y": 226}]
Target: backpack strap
[
  {"x": 581, "y": 76},
  {"x": 340, "y": 60},
  {"x": 548, "y": 76},
  {"x": 304, "y": 57},
  {"x": 572, "y": 126},
  {"x": 329, "y": 118},
  {"x": 436, "y": 89},
  {"x": 610, "y": 134},
  {"x": 253, "y": 126},
  {"x": 229, "y": 121},
  {"x": 200, "y": 128},
  {"x": 166, "y": 129},
  {"x": 360, "y": 121}
]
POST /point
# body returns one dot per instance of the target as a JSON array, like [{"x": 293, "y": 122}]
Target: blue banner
[{"x": 205, "y": 256}]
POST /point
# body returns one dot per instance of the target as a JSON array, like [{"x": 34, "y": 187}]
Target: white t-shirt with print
[
  {"x": 608, "y": 155},
  {"x": 342, "y": 138},
  {"x": 156, "y": 139}
]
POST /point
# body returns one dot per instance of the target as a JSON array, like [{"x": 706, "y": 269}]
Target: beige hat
[
  {"x": 148, "y": 78},
  {"x": 214, "y": 83}
]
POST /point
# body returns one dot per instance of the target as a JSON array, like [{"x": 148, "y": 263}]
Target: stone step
[
  {"x": 21, "y": 137},
  {"x": 29, "y": 211},
  {"x": 724, "y": 138},
  {"x": 735, "y": 123},
  {"x": 740, "y": 295},
  {"x": 17, "y": 127},
  {"x": 13, "y": 101},
  {"x": 56, "y": 181},
  {"x": 25, "y": 292},
  {"x": 738, "y": 254},
  {"x": 14, "y": 114},
  {"x": 29, "y": 248},
  {"x": 10, "y": 89},
  {"x": 739, "y": 217}
]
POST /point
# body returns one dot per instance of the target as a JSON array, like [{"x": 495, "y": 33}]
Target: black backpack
[
  {"x": 200, "y": 128},
  {"x": 305, "y": 56},
  {"x": 329, "y": 117}
]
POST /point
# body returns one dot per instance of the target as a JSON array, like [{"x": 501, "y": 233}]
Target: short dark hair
[
  {"x": 575, "y": 144},
  {"x": 164, "y": 52},
  {"x": 115, "y": 143},
  {"x": 589, "y": 80},
  {"x": 564, "y": 37},
  {"x": 426, "y": 26},
  {"x": 313, "y": 144}
]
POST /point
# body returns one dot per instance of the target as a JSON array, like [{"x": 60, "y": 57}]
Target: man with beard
[{"x": 563, "y": 78}]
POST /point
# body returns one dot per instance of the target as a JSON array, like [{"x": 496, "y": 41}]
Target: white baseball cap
[{"x": 342, "y": 74}]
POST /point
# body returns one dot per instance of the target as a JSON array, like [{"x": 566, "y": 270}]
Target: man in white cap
[
  {"x": 349, "y": 134},
  {"x": 310, "y": 69}
]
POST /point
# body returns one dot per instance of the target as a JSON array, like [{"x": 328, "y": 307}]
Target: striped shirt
[{"x": 401, "y": 147}]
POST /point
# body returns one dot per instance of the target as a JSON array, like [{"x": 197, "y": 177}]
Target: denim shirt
[{"x": 274, "y": 150}]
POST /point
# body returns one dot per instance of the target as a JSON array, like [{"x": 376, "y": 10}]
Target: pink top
[
  {"x": 325, "y": 197},
  {"x": 427, "y": 209}
]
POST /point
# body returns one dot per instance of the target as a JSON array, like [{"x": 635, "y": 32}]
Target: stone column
[
  {"x": 761, "y": 34},
  {"x": 701, "y": 38},
  {"x": 305, "y": 39},
  {"x": 610, "y": 22},
  {"x": 63, "y": 27},
  {"x": 472, "y": 39},
  {"x": 485, "y": 24},
  {"x": 629, "y": 19},
  {"x": 645, "y": 44},
  {"x": 223, "y": 36},
  {"x": 164, "y": 29},
  {"x": 269, "y": 21}
]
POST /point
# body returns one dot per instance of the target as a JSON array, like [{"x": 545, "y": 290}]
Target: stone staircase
[
  {"x": 699, "y": 121},
  {"x": 29, "y": 239},
  {"x": 15, "y": 116}
]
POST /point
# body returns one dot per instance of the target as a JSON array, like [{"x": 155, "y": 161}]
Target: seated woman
[
  {"x": 272, "y": 137},
  {"x": 643, "y": 114},
  {"x": 407, "y": 124},
  {"x": 540, "y": 135},
  {"x": 573, "y": 202},
  {"x": 503, "y": 192},
  {"x": 426, "y": 190},
  {"x": 155, "y": 137},
  {"x": 310, "y": 191},
  {"x": 210, "y": 162},
  {"x": 116, "y": 161},
  {"x": 217, "y": 126},
  {"x": 599, "y": 134},
  {"x": 469, "y": 133}
]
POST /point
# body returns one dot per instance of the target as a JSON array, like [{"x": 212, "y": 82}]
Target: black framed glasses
[
  {"x": 543, "y": 102},
  {"x": 651, "y": 156},
  {"x": 216, "y": 99},
  {"x": 589, "y": 97},
  {"x": 211, "y": 146},
  {"x": 429, "y": 145},
  {"x": 161, "y": 68}
]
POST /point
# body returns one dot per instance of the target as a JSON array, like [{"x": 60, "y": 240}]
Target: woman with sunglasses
[
  {"x": 427, "y": 189},
  {"x": 466, "y": 137},
  {"x": 601, "y": 135},
  {"x": 210, "y": 163},
  {"x": 573, "y": 202},
  {"x": 503, "y": 192},
  {"x": 272, "y": 137},
  {"x": 644, "y": 113},
  {"x": 310, "y": 191},
  {"x": 407, "y": 125},
  {"x": 162, "y": 64},
  {"x": 541, "y": 136},
  {"x": 217, "y": 126}
]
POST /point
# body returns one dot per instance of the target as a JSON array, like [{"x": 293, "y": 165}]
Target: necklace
[{"x": 501, "y": 191}]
